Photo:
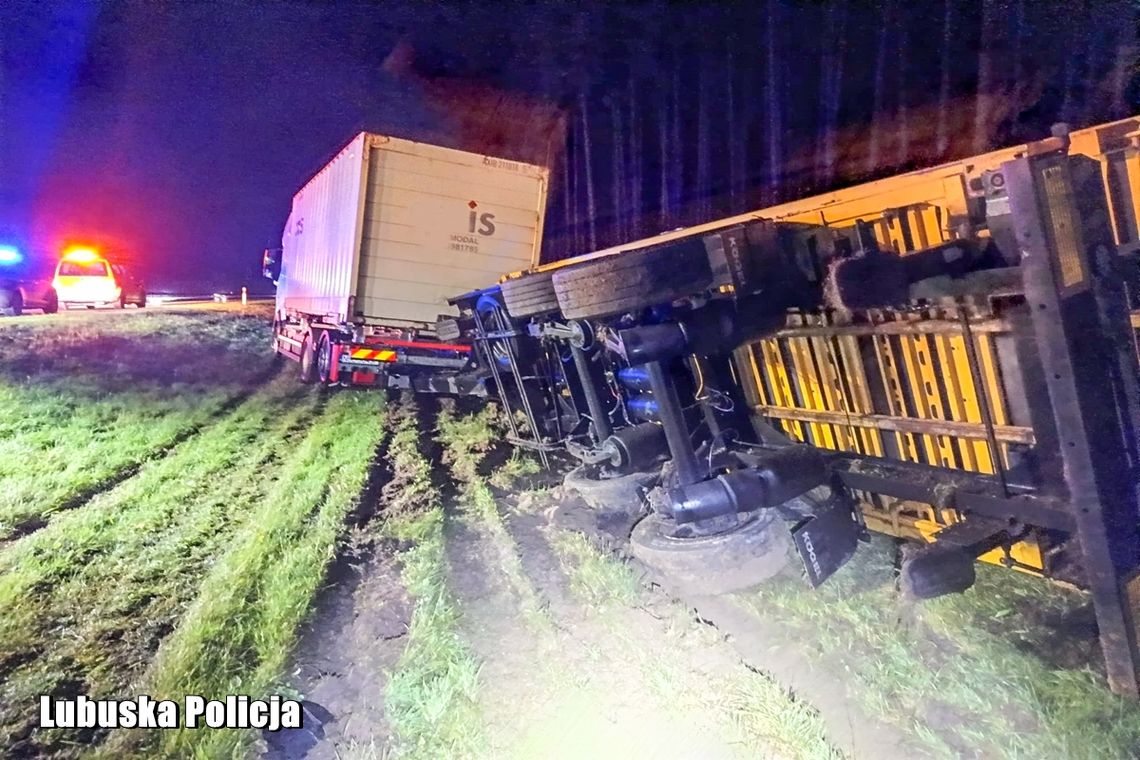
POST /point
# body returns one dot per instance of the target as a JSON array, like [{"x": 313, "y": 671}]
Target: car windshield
[{"x": 83, "y": 268}]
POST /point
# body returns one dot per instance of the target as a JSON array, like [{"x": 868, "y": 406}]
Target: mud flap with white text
[{"x": 826, "y": 541}]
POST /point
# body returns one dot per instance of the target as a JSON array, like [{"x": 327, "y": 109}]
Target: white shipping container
[{"x": 390, "y": 229}]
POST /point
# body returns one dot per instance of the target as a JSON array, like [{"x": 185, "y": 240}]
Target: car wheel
[
  {"x": 324, "y": 358},
  {"x": 51, "y": 303},
  {"x": 716, "y": 564},
  {"x": 629, "y": 282},
  {"x": 308, "y": 361},
  {"x": 141, "y": 303}
]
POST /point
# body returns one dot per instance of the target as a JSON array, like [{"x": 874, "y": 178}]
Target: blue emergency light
[{"x": 10, "y": 254}]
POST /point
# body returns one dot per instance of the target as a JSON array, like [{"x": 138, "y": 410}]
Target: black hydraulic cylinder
[
  {"x": 637, "y": 447},
  {"x": 673, "y": 420},
  {"x": 601, "y": 421},
  {"x": 783, "y": 474},
  {"x": 649, "y": 343}
]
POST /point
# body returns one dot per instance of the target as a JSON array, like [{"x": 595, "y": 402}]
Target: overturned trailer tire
[
  {"x": 624, "y": 493},
  {"x": 629, "y": 282},
  {"x": 716, "y": 564},
  {"x": 530, "y": 295}
]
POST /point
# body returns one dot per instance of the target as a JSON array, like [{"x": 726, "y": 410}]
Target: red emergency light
[{"x": 81, "y": 254}]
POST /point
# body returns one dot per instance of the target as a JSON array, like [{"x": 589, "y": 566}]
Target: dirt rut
[
  {"x": 354, "y": 637},
  {"x": 575, "y": 678}
]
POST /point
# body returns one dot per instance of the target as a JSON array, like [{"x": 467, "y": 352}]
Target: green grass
[
  {"x": 597, "y": 580},
  {"x": 134, "y": 556},
  {"x": 513, "y": 470},
  {"x": 964, "y": 673},
  {"x": 205, "y": 504},
  {"x": 84, "y": 402},
  {"x": 465, "y": 441},
  {"x": 237, "y": 635},
  {"x": 751, "y": 709},
  {"x": 431, "y": 695},
  {"x": 748, "y": 708}
]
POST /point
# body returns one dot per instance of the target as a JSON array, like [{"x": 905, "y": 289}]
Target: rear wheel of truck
[
  {"x": 622, "y": 493},
  {"x": 530, "y": 295},
  {"x": 717, "y": 564},
  {"x": 495, "y": 319},
  {"x": 324, "y": 358},
  {"x": 627, "y": 282},
  {"x": 308, "y": 360}
]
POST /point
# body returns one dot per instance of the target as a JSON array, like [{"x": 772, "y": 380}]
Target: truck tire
[
  {"x": 308, "y": 360},
  {"x": 627, "y": 282},
  {"x": 624, "y": 493},
  {"x": 530, "y": 295},
  {"x": 324, "y": 358},
  {"x": 495, "y": 318},
  {"x": 931, "y": 571},
  {"x": 733, "y": 561}
]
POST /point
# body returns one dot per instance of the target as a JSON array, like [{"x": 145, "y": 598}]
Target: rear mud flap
[{"x": 826, "y": 541}]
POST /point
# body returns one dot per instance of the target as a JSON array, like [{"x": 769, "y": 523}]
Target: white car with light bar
[{"x": 86, "y": 278}]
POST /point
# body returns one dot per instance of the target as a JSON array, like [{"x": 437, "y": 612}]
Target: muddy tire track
[
  {"x": 762, "y": 646},
  {"x": 354, "y": 637}
]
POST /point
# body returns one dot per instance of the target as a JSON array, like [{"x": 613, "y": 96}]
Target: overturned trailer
[{"x": 947, "y": 355}]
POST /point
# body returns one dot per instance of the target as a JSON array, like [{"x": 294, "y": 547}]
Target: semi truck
[
  {"x": 947, "y": 356},
  {"x": 375, "y": 243}
]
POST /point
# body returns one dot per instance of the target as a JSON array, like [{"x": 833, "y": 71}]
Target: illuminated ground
[{"x": 160, "y": 467}]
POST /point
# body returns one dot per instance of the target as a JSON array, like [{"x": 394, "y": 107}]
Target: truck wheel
[
  {"x": 530, "y": 295},
  {"x": 324, "y": 358},
  {"x": 632, "y": 281},
  {"x": 931, "y": 571},
  {"x": 494, "y": 318},
  {"x": 733, "y": 561},
  {"x": 308, "y": 361},
  {"x": 624, "y": 493}
]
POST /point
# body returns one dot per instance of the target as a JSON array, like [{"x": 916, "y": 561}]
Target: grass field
[
  {"x": 85, "y": 400},
  {"x": 194, "y": 525},
  {"x": 1008, "y": 669},
  {"x": 173, "y": 503}
]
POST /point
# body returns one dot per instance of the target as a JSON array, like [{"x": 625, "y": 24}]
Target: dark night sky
[
  {"x": 180, "y": 135},
  {"x": 179, "y": 131}
]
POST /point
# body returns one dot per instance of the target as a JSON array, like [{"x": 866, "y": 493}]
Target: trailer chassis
[{"x": 1078, "y": 482}]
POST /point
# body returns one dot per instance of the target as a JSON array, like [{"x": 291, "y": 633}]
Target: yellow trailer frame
[{"x": 899, "y": 384}]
